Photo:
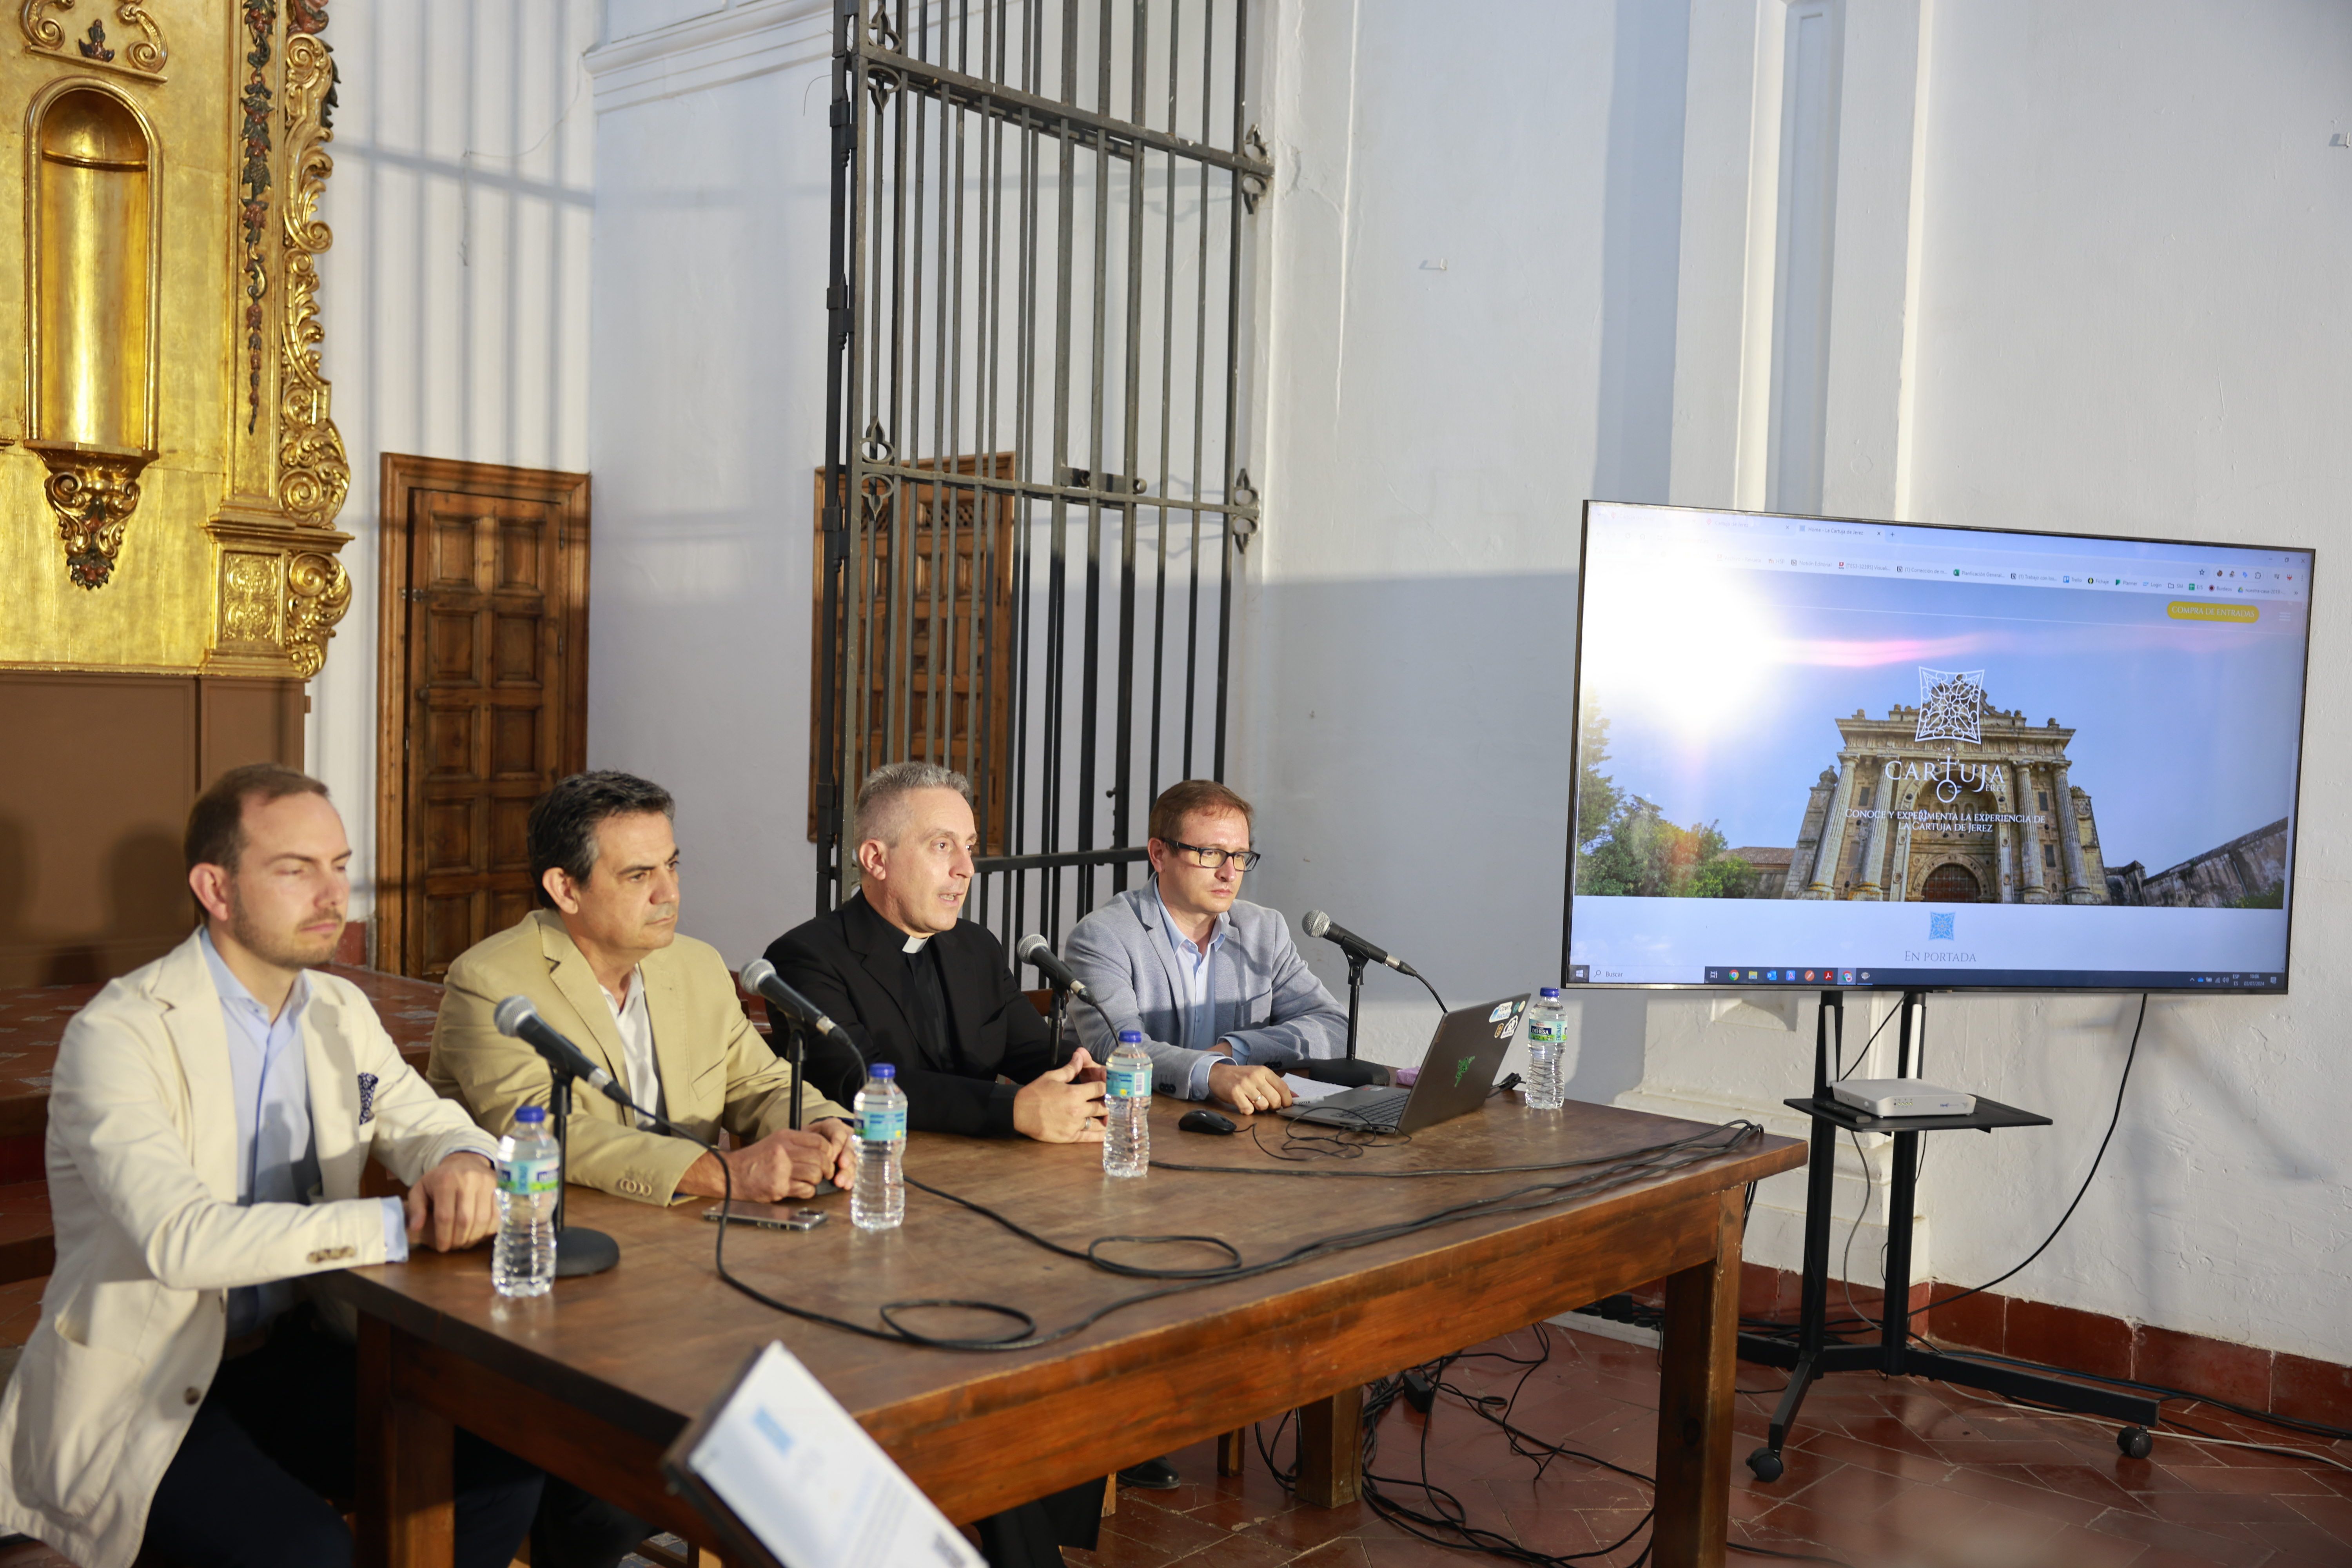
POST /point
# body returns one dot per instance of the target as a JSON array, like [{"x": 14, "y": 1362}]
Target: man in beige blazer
[
  {"x": 208, "y": 1122},
  {"x": 604, "y": 966}
]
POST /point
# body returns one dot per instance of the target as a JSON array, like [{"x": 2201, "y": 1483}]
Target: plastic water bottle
[
  {"x": 530, "y": 1173},
  {"x": 1547, "y": 1048},
  {"x": 879, "y": 1202},
  {"x": 1126, "y": 1132}
]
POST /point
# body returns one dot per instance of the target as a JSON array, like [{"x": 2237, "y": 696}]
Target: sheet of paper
[
  {"x": 804, "y": 1477},
  {"x": 1308, "y": 1088}
]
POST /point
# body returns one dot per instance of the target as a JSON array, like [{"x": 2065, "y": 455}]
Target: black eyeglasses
[{"x": 1214, "y": 859}]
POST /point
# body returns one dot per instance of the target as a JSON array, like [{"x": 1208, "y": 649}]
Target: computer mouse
[{"x": 1205, "y": 1121}]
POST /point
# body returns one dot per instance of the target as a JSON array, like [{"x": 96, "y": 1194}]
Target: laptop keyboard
[{"x": 1378, "y": 1107}]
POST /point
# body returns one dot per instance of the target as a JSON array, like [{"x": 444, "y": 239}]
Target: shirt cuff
[
  {"x": 395, "y": 1230},
  {"x": 1196, "y": 1085}
]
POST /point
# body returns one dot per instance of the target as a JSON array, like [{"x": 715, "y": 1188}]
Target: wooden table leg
[
  {"x": 1331, "y": 1449},
  {"x": 1697, "y": 1360},
  {"x": 407, "y": 1514},
  {"x": 1232, "y": 1451}
]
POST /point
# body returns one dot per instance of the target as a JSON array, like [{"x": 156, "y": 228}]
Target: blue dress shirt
[
  {"x": 277, "y": 1159},
  {"x": 1200, "y": 971}
]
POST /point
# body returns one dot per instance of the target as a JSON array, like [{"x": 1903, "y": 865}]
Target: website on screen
[{"x": 1819, "y": 752}]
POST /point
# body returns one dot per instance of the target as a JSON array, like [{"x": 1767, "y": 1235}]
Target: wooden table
[{"x": 595, "y": 1380}]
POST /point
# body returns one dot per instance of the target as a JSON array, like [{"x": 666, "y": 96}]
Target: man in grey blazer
[{"x": 1213, "y": 982}]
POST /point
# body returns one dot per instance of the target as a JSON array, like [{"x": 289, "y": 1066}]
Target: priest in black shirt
[{"x": 917, "y": 985}]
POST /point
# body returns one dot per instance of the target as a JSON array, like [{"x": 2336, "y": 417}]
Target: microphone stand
[
  {"x": 1355, "y": 995},
  {"x": 577, "y": 1251},
  {"x": 796, "y": 1057},
  {"x": 1060, "y": 1021}
]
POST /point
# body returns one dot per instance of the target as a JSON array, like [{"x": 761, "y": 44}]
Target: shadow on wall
[
  {"x": 148, "y": 913},
  {"x": 1407, "y": 747}
]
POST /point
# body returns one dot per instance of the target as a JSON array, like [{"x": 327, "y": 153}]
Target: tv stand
[{"x": 1814, "y": 1354}]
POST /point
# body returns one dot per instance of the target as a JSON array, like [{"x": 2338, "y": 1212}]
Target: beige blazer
[
  {"x": 715, "y": 1069},
  {"x": 142, "y": 1154}
]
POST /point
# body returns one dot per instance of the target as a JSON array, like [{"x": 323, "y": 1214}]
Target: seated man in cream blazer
[
  {"x": 208, "y": 1122},
  {"x": 604, "y": 966}
]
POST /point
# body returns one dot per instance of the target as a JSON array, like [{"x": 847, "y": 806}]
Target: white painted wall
[
  {"x": 1471, "y": 329},
  {"x": 455, "y": 298},
  {"x": 712, "y": 208},
  {"x": 2079, "y": 280}
]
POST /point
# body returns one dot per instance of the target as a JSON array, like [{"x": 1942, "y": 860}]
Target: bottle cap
[
  {"x": 1130, "y": 1037},
  {"x": 884, "y": 1070},
  {"x": 531, "y": 1115},
  {"x": 1552, "y": 992}
]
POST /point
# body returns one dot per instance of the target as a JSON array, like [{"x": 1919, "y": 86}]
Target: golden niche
[
  {"x": 168, "y": 427},
  {"x": 92, "y": 191}
]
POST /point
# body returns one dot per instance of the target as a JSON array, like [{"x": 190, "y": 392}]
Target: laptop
[{"x": 1457, "y": 1071}]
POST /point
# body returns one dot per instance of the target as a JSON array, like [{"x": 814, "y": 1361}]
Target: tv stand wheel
[
  {"x": 1765, "y": 1463},
  {"x": 2134, "y": 1442}
]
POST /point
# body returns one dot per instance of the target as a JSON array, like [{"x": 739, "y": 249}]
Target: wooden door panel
[
  {"x": 492, "y": 612},
  {"x": 969, "y": 626}
]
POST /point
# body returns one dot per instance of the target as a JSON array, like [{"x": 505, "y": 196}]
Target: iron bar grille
[{"x": 1036, "y": 490}]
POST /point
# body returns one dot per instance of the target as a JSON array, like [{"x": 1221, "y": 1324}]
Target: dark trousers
[
  {"x": 275, "y": 1437},
  {"x": 575, "y": 1529},
  {"x": 1033, "y": 1535}
]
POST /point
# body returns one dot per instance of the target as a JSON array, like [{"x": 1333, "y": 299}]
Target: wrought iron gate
[{"x": 1036, "y": 490}]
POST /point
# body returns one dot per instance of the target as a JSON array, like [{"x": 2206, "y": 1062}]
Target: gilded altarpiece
[{"x": 169, "y": 473}]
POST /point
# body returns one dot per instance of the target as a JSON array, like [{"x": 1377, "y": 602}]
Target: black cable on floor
[{"x": 1445, "y": 1520}]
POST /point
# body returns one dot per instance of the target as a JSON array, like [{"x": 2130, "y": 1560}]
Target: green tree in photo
[{"x": 1625, "y": 847}]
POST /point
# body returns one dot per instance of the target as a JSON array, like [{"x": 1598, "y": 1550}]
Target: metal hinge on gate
[
  {"x": 1255, "y": 187},
  {"x": 1116, "y": 484}
]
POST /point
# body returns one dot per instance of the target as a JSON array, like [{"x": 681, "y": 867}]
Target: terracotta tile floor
[{"x": 1882, "y": 1474}]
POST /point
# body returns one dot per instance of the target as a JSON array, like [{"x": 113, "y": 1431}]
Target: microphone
[
  {"x": 518, "y": 1018},
  {"x": 1034, "y": 949},
  {"x": 1317, "y": 923},
  {"x": 760, "y": 975}
]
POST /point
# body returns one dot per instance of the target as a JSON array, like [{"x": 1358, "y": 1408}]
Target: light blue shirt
[
  {"x": 1200, "y": 971},
  {"x": 278, "y": 1157}
]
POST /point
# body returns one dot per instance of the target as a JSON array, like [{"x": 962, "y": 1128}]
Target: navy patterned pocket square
[{"x": 367, "y": 1098}]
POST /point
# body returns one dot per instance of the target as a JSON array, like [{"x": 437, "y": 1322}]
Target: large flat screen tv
[{"x": 1824, "y": 753}]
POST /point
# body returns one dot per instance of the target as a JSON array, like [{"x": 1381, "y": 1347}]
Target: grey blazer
[{"x": 1264, "y": 998}]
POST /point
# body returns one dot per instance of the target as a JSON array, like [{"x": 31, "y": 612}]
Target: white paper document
[
  {"x": 804, "y": 1477},
  {"x": 1308, "y": 1088}
]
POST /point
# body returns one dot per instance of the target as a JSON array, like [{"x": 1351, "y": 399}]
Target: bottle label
[
  {"x": 1550, "y": 1031},
  {"x": 1127, "y": 1082},
  {"x": 531, "y": 1177},
  {"x": 881, "y": 1123}
]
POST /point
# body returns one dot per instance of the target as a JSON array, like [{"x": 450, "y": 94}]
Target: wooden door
[
  {"x": 936, "y": 637},
  {"x": 484, "y": 677}
]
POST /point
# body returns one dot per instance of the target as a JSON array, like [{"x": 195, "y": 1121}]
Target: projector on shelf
[{"x": 1895, "y": 1097}]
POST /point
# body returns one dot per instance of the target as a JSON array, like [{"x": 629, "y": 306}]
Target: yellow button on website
[{"x": 2211, "y": 610}]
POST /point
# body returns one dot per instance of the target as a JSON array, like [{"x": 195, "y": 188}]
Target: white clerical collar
[{"x": 915, "y": 945}]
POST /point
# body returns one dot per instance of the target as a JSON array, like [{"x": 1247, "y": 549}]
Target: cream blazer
[
  {"x": 715, "y": 1069},
  {"x": 142, "y": 1157}
]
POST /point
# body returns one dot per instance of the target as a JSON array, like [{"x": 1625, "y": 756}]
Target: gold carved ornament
[
  {"x": 144, "y": 53},
  {"x": 317, "y": 592},
  {"x": 248, "y": 125},
  {"x": 287, "y": 603},
  {"x": 93, "y": 491},
  {"x": 313, "y": 472}
]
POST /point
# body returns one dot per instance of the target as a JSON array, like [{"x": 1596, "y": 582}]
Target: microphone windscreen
[
  {"x": 1030, "y": 946},
  {"x": 1314, "y": 922},
  {"x": 758, "y": 972},
  {"x": 513, "y": 1014}
]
